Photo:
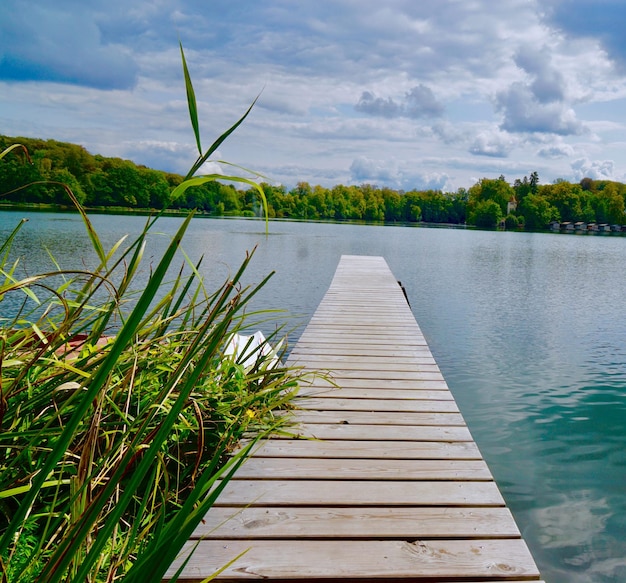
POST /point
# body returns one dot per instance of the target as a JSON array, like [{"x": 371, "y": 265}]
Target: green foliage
[
  {"x": 537, "y": 211},
  {"x": 566, "y": 198},
  {"x": 511, "y": 222},
  {"x": 486, "y": 214},
  {"x": 498, "y": 191},
  {"x": 120, "y": 410},
  {"x": 111, "y": 436}
]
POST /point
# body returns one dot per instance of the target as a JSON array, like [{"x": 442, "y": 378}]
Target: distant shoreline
[
  {"x": 102, "y": 210},
  {"x": 114, "y": 210}
]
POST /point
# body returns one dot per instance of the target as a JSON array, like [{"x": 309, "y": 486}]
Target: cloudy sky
[{"x": 401, "y": 93}]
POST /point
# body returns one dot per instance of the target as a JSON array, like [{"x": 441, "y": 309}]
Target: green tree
[
  {"x": 156, "y": 186},
  {"x": 537, "y": 211},
  {"x": 534, "y": 183},
  {"x": 393, "y": 204},
  {"x": 228, "y": 197},
  {"x": 566, "y": 198},
  {"x": 457, "y": 212},
  {"x": 118, "y": 183},
  {"x": 412, "y": 211},
  {"x": 342, "y": 202},
  {"x": 320, "y": 199},
  {"x": 486, "y": 214},
  {"x": 15, "y": 173},
  {"x": 511, "y": 222},
  {"x": 58, "y": 194},
  {"x": 587, "y": 184},
  {"x": 435, "y": 206},
  {"x": 374, "y": 203},
  {"x": 498, "y": 191}
]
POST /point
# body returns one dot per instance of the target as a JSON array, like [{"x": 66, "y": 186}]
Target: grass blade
[{"x": 191, "y": 100}]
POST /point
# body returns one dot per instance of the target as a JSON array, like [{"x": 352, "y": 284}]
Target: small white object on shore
[{"x": 247, "y": 350}]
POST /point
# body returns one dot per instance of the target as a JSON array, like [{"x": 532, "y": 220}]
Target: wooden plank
[
  {"x": 269, "y": 522},
  {"x": 425, "y": 433},
  {"x": 336, "y": 403},
  {"x": 298, "y": 559},
  {"x": 363, "y": 350},
  {"x": 363, "y": 469},
  {"x": 380, "y": 394},
  {"x": 338, "y": 367},
  {"x": 361, "y": 362},
  {"x": 399, "y": 334},
  {"x": 377, "y": 418},
  {"x": 358, "y": 493},
  {"x": 393, "y": 309},
  {"x": 330, "y": 334},
  {"x": 361, "y": 304},
  {"x": 363, "y": 323},
  {"x": 387, "y": 375},
  {"x": 383, "y": 384},
  {"x": 397, "y": 450}
]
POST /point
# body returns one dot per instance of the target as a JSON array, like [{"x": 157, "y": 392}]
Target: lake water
[{"x": 529, "y": 330}]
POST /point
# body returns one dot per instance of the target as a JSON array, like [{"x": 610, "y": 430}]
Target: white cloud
[
  {"x": 596, "y": 169},
  {"x": 496, "y": 144},
  {"x": 397, "y": 174}
]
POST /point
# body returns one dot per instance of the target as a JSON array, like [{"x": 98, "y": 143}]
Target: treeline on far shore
[{"x": 98, "y": 181}]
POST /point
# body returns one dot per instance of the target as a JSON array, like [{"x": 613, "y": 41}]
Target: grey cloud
[
  {"x": 523, "y": 112},
  {"x": 599, "y": 19},
  {"x": 556, "y": 151},
  {"x": 419, "y": 102},
  {"x": 378, "y": 106},
  {"x": 548, "y": 83},
  {"x": 365, "y": 169},
  {"x": 61, "y": 44},
  {"x": 449, "y": 133}
]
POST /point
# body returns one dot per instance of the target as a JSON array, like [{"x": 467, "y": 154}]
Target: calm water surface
[{"x": 529, "y": 330}]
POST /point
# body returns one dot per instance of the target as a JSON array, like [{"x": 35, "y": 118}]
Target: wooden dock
[{"x": 386, "y": 482}]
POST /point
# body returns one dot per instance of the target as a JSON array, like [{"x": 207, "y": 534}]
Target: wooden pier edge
[{"x": 382, "y": 480}]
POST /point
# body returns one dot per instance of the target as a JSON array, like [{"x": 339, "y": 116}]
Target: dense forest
[{"x": 100, "y": 182}]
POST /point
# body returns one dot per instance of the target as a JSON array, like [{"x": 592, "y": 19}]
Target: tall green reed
[{"x": 119, "y": 418}]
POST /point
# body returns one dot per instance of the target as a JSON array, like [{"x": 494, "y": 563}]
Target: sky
[{"x": 400, "y": 93}]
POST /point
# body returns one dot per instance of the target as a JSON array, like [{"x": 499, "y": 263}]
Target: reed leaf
[
  {"x": 203, "y": 158},
  {"x": 15, "y": 147},
  {"x": 191, "y": 100}
]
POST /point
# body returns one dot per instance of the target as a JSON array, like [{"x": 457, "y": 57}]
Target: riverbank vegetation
[
  {"x": 119, "y": 411},
  {"x": 115, "y": 184},
  {"x": 122, "y": 408}
]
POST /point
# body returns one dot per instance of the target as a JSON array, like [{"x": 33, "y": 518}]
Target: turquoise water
[{"x": 529, "y": 330}]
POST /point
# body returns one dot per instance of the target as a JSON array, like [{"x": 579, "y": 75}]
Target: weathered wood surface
[{"x": 379, "y": 478}]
